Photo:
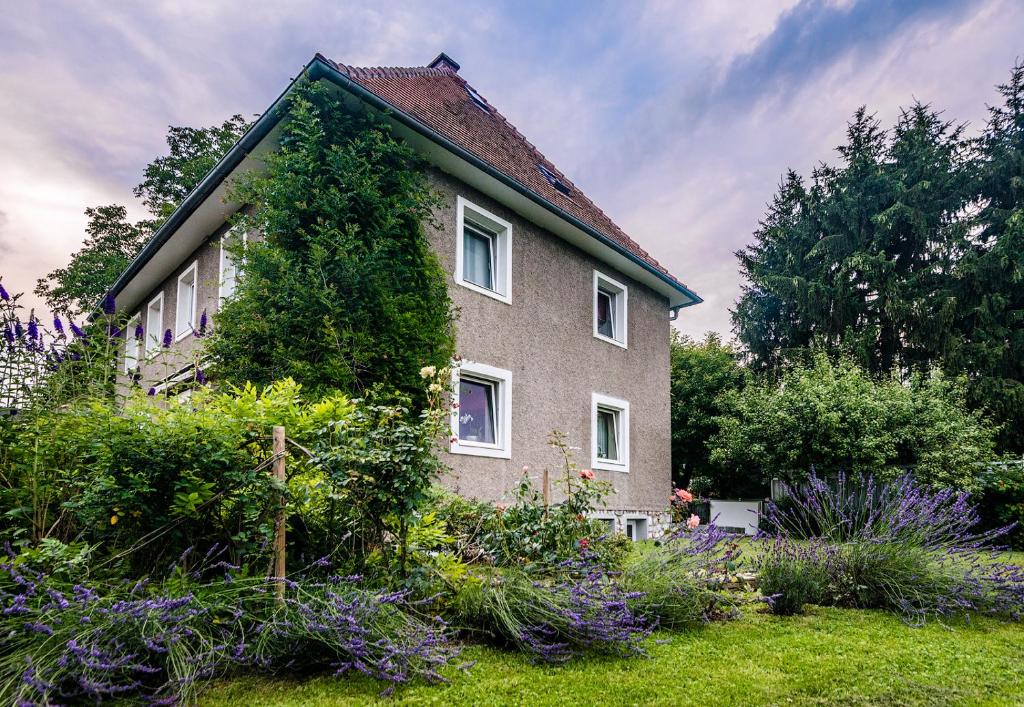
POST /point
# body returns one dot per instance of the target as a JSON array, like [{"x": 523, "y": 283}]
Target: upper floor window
[
  {"x": 483, "y": 256},
  {"x": 185, "y": 320},
  {"x": 611, "y": 310},
  {"x": 482, "y": 411},
  {"x": 132, "y": 345},
  {"x": 609, "y": 433},
  {"x": 154, "y": 324},
  {"x": 229, "y": 263}
]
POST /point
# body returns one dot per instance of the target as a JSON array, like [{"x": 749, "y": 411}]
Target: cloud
[{"x": 676, "y": 118}]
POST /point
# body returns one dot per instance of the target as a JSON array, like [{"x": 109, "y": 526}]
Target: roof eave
[{"x": 321, "y": 67}]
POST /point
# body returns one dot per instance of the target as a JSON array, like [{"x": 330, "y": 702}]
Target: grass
[{"x": 830, "y": 656}]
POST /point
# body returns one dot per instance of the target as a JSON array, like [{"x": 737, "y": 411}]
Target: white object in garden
[{"x": 740, "y": 516}]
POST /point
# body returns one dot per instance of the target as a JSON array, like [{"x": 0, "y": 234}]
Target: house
[{"x": 564, "y": 319}]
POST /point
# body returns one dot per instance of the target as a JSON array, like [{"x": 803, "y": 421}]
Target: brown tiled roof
[{"x": 440, "y": 99}]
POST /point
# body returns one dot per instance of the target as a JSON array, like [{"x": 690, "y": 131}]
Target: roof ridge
[{"x": 394, "y": 71}]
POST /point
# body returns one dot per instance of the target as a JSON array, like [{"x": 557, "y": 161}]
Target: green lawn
[{"x": 831, "y": 656}]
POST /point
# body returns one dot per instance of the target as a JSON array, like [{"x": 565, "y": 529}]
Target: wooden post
[
  {"x": 279, "y": 519},
  {"x": 547, "y": 492}
]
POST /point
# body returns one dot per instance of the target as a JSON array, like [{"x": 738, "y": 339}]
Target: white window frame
[
  {"x": 620, "y": 309},
  {"x": 502, "y": 249},
  {"x": 502, "y": 380},
  {"x": 225, "y": 256},
  {"x": 621, "y": 409},
  {"x": 185, "y": 329},
  {"x": 154, "y": 339},
  {"x": 132, "y": 346}
]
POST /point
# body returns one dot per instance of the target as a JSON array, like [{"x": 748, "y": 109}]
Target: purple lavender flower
[
  {"x": 58, "y": 325},
  {"x": 108, "y": 305},
  {"x": 203, "y": 321},
  {"x": 76, "y": 331},
  {"x": 3, "y": 294},
  {"x": 19, "y": 331},
  {"x": 33, "y": 329},
  {"x": 168, "y": 339}
]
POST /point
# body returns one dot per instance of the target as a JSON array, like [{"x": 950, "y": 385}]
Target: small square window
[
  {"x": 185, "y": 320},
  {"x": 483, "y": 257},
  {"x": 636, "y": 529},
  {"x": 482, "y": 411},
  {"x": 609, "y": 433},
  {"x": 154, "y": 324},
  {"x": 611, "y": 310}
]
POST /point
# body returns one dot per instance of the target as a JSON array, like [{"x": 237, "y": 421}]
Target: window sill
[
  {"x": 605, "y": 465},
  {"x": 602, "y": 337},
  {"x": 493, "y": 294},
  {"x": 480, "y": 451}
]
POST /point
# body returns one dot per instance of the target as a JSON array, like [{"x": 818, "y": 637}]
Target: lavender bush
[
  {"x": 157, "y": 643},
  {"x": 898, "y": 546},
  {"x": 678, "y": 582},
  {"x": 581, "y": 609}
]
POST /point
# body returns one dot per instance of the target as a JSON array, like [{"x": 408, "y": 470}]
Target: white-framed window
[
  {"x": 482, "y": 411},
  {"x": 609, "y": 433},
  {"x": 132, "y": 346},
  {"x": 154, "y": 324},
  {"x": 483, "y": 251},
  {"x": 636, "y": 529},
  {"x": 185, "y": 319},
  {"x": 230, "y": 265},
  {"x": 611, "y": 310}
]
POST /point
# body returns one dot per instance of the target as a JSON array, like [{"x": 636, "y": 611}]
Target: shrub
[
  {"x": 677, "y": 583},
  {"x": 833, "y": 417},
  {"x": 157, "y": 642},
  {"x": 578, "y": 609},
  {"x": 898, "y": 546}
]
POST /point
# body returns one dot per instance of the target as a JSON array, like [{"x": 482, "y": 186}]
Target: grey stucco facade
[{"x": 544, "y": 336}]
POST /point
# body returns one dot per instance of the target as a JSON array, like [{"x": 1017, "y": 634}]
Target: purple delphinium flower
[
  {"x": 19, "y": 331},
  {"x": 3, "y": 294},
  {"x": 203, "y": 321},
  {"x": 76, "y": 331},
  {"x": 33, "y": 328},
  {"x": 58, "y": 325},
  {"x": 168, "y": 338},
  {"x": 109, "y": 305}
]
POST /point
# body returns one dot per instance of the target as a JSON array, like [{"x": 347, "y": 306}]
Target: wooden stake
[
  {"x": 279, "y": 519},
  {"x": 547, "y": 492}
]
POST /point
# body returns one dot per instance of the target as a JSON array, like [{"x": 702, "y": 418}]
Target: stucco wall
[{"x": 545, "y": 337}]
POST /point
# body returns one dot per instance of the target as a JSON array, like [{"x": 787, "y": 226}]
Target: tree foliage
[
  {"x": 701, "y": 372},
  {"x": 834, "y": 417},
  {"x": 906, "y": 255},
  {"x": 112, "y": 240},
  {"x": 342, "y": 290}
]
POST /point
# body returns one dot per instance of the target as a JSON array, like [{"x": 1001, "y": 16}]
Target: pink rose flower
[
  {"x": 587, "y": 474},
  {"x": 684, "y": 495},
  {"x": 692, "y": 522}
]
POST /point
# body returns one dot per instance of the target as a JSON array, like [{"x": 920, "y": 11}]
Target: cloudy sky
[{"x": 678, "y": 118}]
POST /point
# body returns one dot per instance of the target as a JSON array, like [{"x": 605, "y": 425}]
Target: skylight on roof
[
  {"x": 553, "y": 180},
  {"x": 477, "y": 98}
]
